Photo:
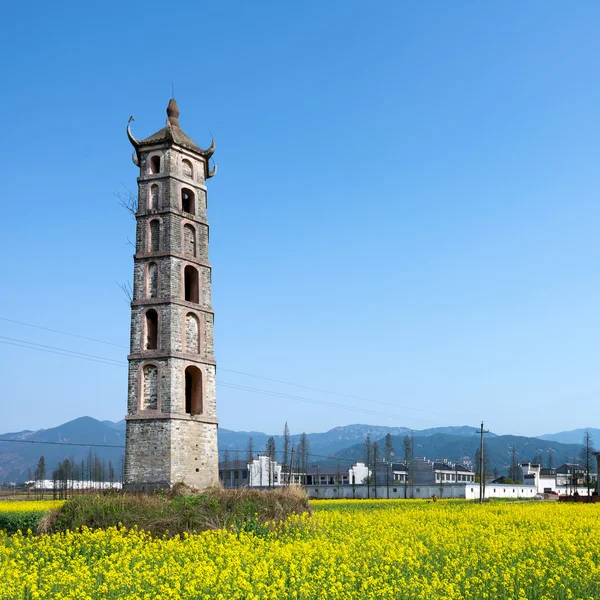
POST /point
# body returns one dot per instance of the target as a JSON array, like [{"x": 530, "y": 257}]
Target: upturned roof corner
[{"x": 171, "y": 133}]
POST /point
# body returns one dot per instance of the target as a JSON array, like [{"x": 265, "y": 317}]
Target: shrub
[{"x": 180, "y": 511}]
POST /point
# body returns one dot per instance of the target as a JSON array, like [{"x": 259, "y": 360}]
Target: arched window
[
  {"x": 153, "y": 197},
  {"x": 155, "y": 164},
  {"x": 193, "y": 391},
  {"x": 152, "y": 281},
  {"x": 154, "y": 236},
  {"x": 192, "y": 334},
  {"x": 189, "y": 240},
  {"x": 151, "y": 330},
  {"x": 188, "y": 170},
  {"x": 149, "y": 387},
  {"x": 191, "y": 287},
  {"x": 188, "y": 203}
]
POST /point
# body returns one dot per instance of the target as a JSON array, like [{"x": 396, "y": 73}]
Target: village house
[{"x": 566, "y": 479}]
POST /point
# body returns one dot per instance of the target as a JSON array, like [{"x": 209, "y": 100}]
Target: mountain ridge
[{"x": 75, "y": 438}]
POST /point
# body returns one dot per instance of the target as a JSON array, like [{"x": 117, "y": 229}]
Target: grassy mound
[{"x": 180, "y": 511}]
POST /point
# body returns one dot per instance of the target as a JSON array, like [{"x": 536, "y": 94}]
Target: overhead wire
[
  {"x": 82, "y": 337},
  {"x": 321, "y": 402},
  {"x": 122, "y": 447},
  {"x": 114, "y": 362}
]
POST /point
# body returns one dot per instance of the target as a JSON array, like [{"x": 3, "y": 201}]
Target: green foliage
[
  {"x": 11, "y": 522},
  {"x": 182, "y": 511}
]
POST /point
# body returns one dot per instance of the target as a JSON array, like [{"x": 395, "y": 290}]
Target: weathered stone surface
[{"x": 164, "y": 444}]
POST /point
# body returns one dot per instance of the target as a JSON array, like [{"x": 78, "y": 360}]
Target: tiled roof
[{"x": 174, "y": 134}]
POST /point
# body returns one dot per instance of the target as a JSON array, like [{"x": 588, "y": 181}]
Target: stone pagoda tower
[{"x": 171, "y": 408}]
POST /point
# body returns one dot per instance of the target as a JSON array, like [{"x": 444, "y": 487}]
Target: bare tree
[
  {"x": 389, "y": 449},
  {"x": 587, "y": 458},
  {"x": 303, "y": 450},
  {"x": 250, "y": 449},
  {"x": 551, "y": 458},
  {"x": 286, "y": 451},
  {"x": 375, "y": 457},
  {"x": 407, "y": 443},
  {"x": 271, "y": 450},
  {"x": 40, "y": 473},
  {"x": 128, "y": 200},
  {"x": 368, "y": 454},
  {"x": 537, "y": 458},
  {"x": 127, "y": 290}
]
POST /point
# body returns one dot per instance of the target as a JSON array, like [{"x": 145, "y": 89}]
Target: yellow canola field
[
  {"x": 377, "y": 550},
  {"x": 29, "y": 506}
]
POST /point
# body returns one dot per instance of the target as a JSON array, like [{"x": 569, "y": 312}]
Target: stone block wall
[{"x": 164, "y": 443}]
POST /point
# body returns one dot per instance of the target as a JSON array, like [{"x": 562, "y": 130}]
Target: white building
[{"x": 564, "y": 480}]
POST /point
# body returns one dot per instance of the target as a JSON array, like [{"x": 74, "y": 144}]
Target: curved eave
[
  {"x": 134, "y": 141},
  {"x": 210, "y": 151}
]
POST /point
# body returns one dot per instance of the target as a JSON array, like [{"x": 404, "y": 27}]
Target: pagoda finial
[{"x": 173, "y": 113}]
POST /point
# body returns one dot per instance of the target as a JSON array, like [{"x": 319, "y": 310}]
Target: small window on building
[
  {"x": 188, "y": 204},
  {"x": 394, "y": 490},
  {"x": 155, "y": 164},
  {"x": 192, "y": 333},
  {"x": 154, "y": 236},
  {"x": 192, "y": 288},
  {"x": 151, "y": 330},
  {"x": 152, "y": 280},
  {"x": 188, "y": 170},
  {"x": 149, "y": 387},
  {"x": 153, "y": 197},
  {"x": 193, "y": 391},
  {"x": 189, "y": 240}
]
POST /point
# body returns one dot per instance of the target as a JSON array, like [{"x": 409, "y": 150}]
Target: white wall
[
  {"x": 455, "y": 490},
  {"x": 258, "y": 472}
]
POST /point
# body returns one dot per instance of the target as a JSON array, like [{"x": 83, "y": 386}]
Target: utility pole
[
  {"x": 481, "y": 474},
  {"x": 412, "y": 464}
]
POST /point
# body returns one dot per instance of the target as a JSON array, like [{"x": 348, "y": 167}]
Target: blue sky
[{"x": 406, "y": 208}]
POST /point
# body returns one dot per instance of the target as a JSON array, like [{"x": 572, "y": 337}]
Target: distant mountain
[
  {"x": 498, "y": 449},
  {"x": 17, "y": 458},
  {"x": 575, "y": 436},
  {"x": 339, "y": 443},
  {"x": 331, "y": 441}
]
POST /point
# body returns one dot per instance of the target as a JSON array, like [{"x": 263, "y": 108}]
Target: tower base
[{"x": 164, "y": 451}]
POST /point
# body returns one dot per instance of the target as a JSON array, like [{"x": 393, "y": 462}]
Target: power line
[
  {"x": 99, "y": 359},
  {"x": 2, "y": 440},
  {"x": 115, "y": 363},
  {"x": 307, "y": 387},
  {"x": 75, "y": 352},
  {"x": 82, "y": 337},
  {"x": 321, "y": 402},
  {"x": 91, "y": 445}
]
